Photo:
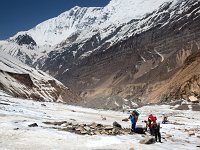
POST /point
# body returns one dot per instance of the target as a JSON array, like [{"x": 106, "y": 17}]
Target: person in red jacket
[
  {"x": 151, "y": 120},
  {"x": 154, "y": 127}
]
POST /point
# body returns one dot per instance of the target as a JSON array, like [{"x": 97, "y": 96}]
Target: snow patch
[{"x": 162, "y": 57}]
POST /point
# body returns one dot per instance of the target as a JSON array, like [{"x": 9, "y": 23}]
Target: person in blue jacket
[{"x": 133, "y": 119}]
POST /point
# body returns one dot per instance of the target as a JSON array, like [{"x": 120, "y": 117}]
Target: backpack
[
  {"x": 136, "y": 118},
  {"x": 136, "y": 113},
  {"x": 155, "y": 126}
]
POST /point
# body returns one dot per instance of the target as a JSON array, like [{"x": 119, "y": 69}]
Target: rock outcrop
[
  {"x": 22, "y": 81},
  {"x": 25, "y": 39},
  {"x": 90, "y": 129},
  {"x": 184, "y": 84}
]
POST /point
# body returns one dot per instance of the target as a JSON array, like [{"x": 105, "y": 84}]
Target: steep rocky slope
[
  {"x": 22, "y": 81},
  {"x": 133, "y": 68},
  {"x": 183, "y": 84}
]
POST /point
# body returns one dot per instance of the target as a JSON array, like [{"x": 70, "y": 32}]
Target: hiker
[
  {"x": 164, "y": 119},
  {"x": 133, "y": 117},
  {"x": 151, "y": 120},
  {"x": 133, "y": 121},
  {"x": 156, "y": 130},
  {"x": 154, "y": 127}
]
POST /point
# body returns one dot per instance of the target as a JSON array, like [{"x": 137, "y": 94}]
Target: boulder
[
  {"x": 104, "y": 132},
  {"x": 147, "y": 140},
  {"x": 168, "y": 135},
  {"x": 71, "y": 128},
  {"x": 72, "y": 119},
  {"x": 93, "y": 125},
  {"x": 71, "y": 124},
  {"x": 182, "y": 107},
  {"x": 97, "y": 133},
  {"x": 191, "y": 133},
  {"x": 64, "y": 124},
  {"x": 33, "y": 125},
  {"x": 195, "y": 107},
  {"x": 99, "y": 125},
  {"x": 125, "y": 132},
  {"x": 74, "y": 124},
  {"x": 82, "y": 125},
  {"x": 116, "y": 124},
  {"x": 83, "y": 132},
  {"x": 79, "y": 129},
  {"x": 103, "y": 118},
  {"x": 115, "y": 131},
  {"x": 108, "y": 128},
  {"x": 43, "y": 105},
  {"x": 58, "y": 123},
  {"x": 110, "y": 131},
  {"x": 87, "y": 128},
  {"x": 193, "y": 99},
  {"x": 139, "y": 130}
]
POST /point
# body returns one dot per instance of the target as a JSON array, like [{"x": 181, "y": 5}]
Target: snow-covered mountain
[
  {"x": 23, "y": 81},
  {"x": 108, "y": 25},
  {"x": 88, "y": 19},
  {"x": 126, "y": 48}
]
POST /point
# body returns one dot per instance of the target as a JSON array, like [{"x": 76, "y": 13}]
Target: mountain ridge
[
  {"x": 80, "y": 17},
  {"x": 22, "y": 81},
  {"x": 129, "y": 58}
]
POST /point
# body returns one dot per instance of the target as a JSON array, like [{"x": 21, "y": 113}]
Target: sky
[{"x": 22, "y": 15}]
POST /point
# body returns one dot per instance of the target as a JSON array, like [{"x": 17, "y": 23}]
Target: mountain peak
[
  {"x": 134, "y": 8},
  {"x": 58, "y": 29}
]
